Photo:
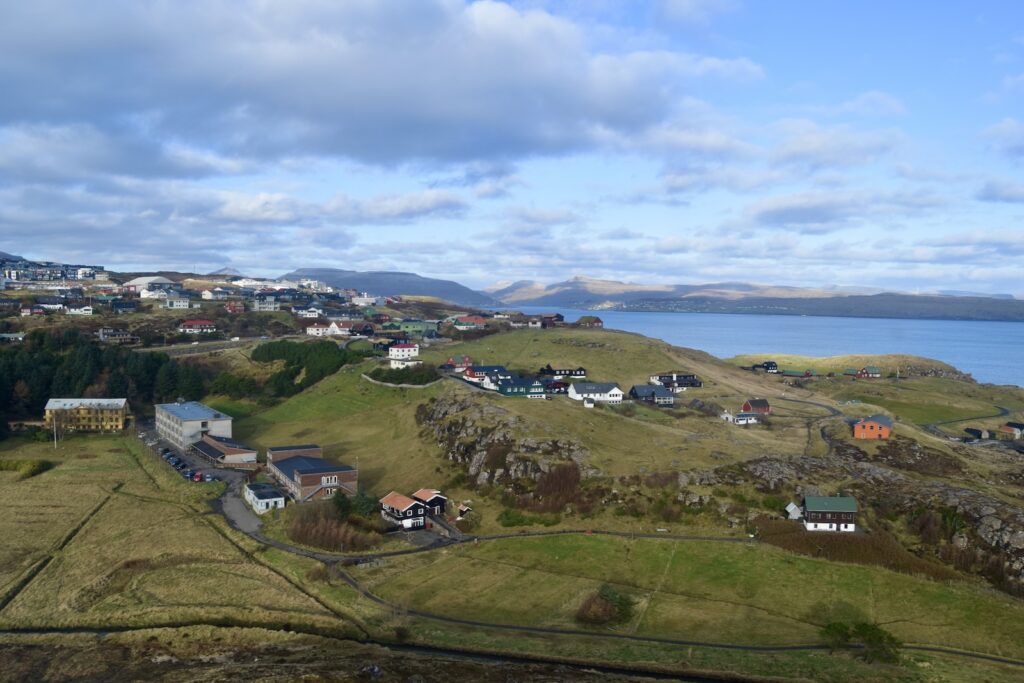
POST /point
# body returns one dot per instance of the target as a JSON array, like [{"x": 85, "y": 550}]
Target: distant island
[{"x": 905, "y": 306}]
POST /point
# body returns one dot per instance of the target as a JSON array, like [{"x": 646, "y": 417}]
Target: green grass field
[{"x": 699, "y": 590}]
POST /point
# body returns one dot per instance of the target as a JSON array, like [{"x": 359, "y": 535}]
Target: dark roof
[
  {"x": 595, "y": 387},
  {"x": 883, "y": 420},
  {"x": 301, "y": 447},
  {"x": 650, "y": 391},
  {"x": 830, "y": 504},
  {"x": 230, "y": 443},
  {"x": 303, "y": 464},
  {"x": 264, "y": 491},
  {"x": 1015, "y": 425},
  {"x": 758, "y": 403}
]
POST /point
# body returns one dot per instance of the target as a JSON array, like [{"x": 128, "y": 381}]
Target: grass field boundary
[{"x": 39, "y": 566}]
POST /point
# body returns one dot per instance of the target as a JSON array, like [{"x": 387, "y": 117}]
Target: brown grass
[
  {"x": 317, "y": 525},
  {"x": 878, "y": 548}
]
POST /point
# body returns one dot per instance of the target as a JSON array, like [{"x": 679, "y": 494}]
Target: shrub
[
  {"x": 607, "y": 605},
  {"x": 836, "y": 635},
  {"x": 509, "y": 517},
  {"x": 317, "y": 524},
  {"x": 879, "y": 644},
  {"x": 418, "y": 375}
]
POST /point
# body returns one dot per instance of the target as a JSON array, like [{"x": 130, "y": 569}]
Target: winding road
[{"x": 249, "y": 524}]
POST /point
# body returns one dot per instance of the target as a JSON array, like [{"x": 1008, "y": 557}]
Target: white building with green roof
[{"x": 830, "y": 513}]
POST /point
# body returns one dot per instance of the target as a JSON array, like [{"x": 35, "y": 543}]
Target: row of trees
[
  {"x": 306, "y": 363},
  {"x": 67, "y": 363}
]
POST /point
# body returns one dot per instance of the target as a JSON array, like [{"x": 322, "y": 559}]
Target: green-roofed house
[{"x": 830, "y": 513}]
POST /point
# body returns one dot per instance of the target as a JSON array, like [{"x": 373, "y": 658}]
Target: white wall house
[
  {"x": 600, "y": 392},
  {"x": 263, "y": 497},
  {"x": 177, "y": 303},
  {"x": 403, "y": 351},
  {"x": 80, "y": 310},
  {"x": 332, "y": 330}
]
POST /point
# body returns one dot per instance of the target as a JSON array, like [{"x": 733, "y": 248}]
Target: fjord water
[{"x": 989, "y": 351}]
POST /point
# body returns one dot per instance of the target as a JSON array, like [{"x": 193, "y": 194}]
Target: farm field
[
  {"x": 129, "y": 547},
  {"x": 728, "y": 592}
]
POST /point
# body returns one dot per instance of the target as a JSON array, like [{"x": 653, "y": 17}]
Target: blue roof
[
  {"x": 302, "y": 464},
  {"x": 193, "y": 410},
  {"x": 652, "y": 391}
]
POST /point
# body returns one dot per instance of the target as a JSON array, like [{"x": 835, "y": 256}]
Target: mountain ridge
[{"x": 395, "y": 282}]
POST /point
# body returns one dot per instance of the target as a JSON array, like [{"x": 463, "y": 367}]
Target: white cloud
[
  {"x": 1001, "y": 191},
  {"x": 1007, "y": 137},
  {"x": 874, "y": 103},
  {"x": 807, "y": 143}
]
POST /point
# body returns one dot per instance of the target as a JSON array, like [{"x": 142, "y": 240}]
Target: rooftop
[
  {"x": 427, "y": 494},
  {"x": 830, "y": 503},
  {"x": 95, "y": 403},
  {"x": 300, "y": 447},
  {"x": 303, "y": 464},
  {"x": 595, "y": 387},
  {"x": 397, "y": 501},
  {"x": 264, "y": 491},
  {"x": 883, "y": 420},
  {"x": 652, "y": 391},
  {"x": 192, "y": 410}
]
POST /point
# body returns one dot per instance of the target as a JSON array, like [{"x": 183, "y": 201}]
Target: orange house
[{"x": 873, "y": 427}]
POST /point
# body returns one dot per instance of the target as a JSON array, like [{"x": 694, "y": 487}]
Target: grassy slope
[
  {"x": 146, "y": 557},
  {"x": 706, "y": 590},
  {"x": 355, "y": 422}
]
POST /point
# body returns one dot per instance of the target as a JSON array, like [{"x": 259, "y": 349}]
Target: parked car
[
  {"x": 198, "y": 476},
  {"x": 209, "y": 477},
  {"x": 180, "y": 466}
]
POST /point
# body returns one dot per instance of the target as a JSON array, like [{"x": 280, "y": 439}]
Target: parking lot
[{"x": 189, "y": 465}]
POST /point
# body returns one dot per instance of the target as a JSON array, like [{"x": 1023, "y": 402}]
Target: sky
[{"x": 821, "y": 143}]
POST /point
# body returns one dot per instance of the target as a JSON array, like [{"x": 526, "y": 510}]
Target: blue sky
[{"x": 816, "y": 143}]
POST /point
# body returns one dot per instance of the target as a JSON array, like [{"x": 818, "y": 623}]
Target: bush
[
  {"x": 509, "y": 517},
  {"x": 606, "y": 606},
  {"x": 317, "y": 525},
  {"x": 417, "y": 375},
  {"x": 836, "y": 635},
  {"x": 879, "y": 644}
]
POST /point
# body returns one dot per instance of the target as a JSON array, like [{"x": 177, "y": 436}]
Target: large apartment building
[
  {"x": 87, "y": 414},
  {"x": 186, "y": 422}
]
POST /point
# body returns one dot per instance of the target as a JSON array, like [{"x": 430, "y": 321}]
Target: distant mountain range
[
  {"x": 585, "y": 292},
  {"x": 386, "y": 282},
  {"x": 4, "y": 256},
  {"x": 225, "y": 271}
]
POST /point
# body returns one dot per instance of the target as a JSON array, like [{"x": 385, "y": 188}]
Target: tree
[
  {"x": 190, "y": 383},
  {"x": 343, "y": 504},
  {"x": 165, "y": 387},
  {"x": 879, "y": 644},
  {"x": 836, "y": 635},
  {"x": 363, "y": 504}
]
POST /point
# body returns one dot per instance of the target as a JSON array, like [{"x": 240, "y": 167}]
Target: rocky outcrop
[
  {"x": 494, "y": 445},
  {"x": 993, "y": 528}
]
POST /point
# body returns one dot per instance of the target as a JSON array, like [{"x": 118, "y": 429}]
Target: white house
[
  {"x": 830, "y": 513},
  {"x": 601, "y": 392},
  {"x": 215, "y": 294},
  {"x": 182, "y": 424},
  {"x": 266, "y": 304},
  {"x": 333, "y": 330},
  {"x": 79, "y": 310},
  {"x": 263, "y": 497},
  {"x": 746, "y": 419},
  {"x": 147, "y": 282},
  {"x": 400, "y": 364},
  {"x": 403, "y": 351},
  {"x": 311, "y": 312},
  {"x": 177, "y": 302},
  {"x": 152, "y": 293}
]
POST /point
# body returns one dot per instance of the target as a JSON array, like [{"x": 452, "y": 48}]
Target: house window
[{"x": 408, "y": 513}]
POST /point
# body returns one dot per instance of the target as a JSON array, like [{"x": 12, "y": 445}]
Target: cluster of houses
[
  {"x": 570, "y": 381},
  {"x": 751, "y": 412},
  {"x": 1008, "y": 431}
]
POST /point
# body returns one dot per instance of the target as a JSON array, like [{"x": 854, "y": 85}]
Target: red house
[
  {"x": 757, "y": 405},
  {"x": 234, "y": 307},
  {"x": 197, "y": 327}
]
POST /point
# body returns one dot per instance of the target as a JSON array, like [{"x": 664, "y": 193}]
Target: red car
[{"x": 198, "y": 476}]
